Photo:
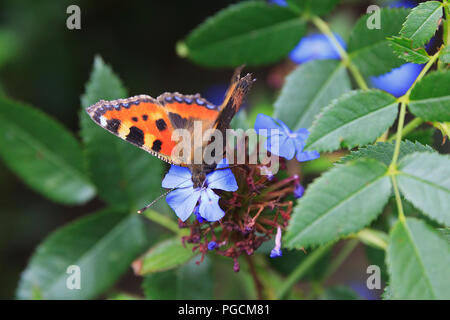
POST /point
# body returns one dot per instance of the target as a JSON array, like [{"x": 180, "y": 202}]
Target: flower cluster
[{"x": 237, "y": 209}]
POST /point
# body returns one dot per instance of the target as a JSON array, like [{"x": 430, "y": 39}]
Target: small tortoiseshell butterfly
[{"x": 149, "y": 123}]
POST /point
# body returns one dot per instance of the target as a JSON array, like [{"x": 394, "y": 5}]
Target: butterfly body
[{"x": 149, "y": 123}]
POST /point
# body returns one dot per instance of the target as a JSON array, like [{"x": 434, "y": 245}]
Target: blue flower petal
[
  {"x": 285, "y": 128},
  {"x": 403, "y": 4},
  {"x": 299, "y": 144},
  {"x": 302, "y": 134},
  {"x": 281, "y": 145},
  {"x": 307, "y": 155},
  {"x": 209, "y": 206},
  {"x": 183, "y": 201},
  {"x": 276, "y": 252},
  {"x": 178, "y": 177},
  {"x": 198, "y": 216},
  {"x": 222, "y": 179},
  {"x": 222, "y": 164},
  {"x": 212, "y": 245},
  {"x": 398, "y": 80},
  {"x": 316, "y": 46},
  {"x": 267, "y": 124},
  {"x": 299, "y": 191},
  {"x": 281, "y": 3}
]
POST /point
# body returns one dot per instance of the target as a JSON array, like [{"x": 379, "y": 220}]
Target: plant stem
[
  {"x": 446, "y": 31},
  {"x": 392, "y": 170},
  {"x": 162, "y": 220},
  {"x": 405, "y": 97},
  {"x": 398, "y": 199},
  {"x": 340, "y": 258},
  {"x": 258, "y": 284},
  {"x": 446, "y": 36},
  {"x": 408, "y": 128},
  {"x": 373, "y": 238},
  {"x": 403, "y": 101},
  {"x": 398, "y": 137},
  {"x": 444, "y": 127},
  {"x": 325, "y": 29},
  {"x": 302, "y": 268}
]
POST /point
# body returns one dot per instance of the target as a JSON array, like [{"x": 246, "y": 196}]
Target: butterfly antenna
[{"x": 154, "y": 201}]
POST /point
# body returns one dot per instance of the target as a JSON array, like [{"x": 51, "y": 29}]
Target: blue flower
[
  {"x": 212, "y": 245},
  {"x": 276, "y": 251},
  {"x": 298, "y": 191},
  {"x": 403, "y": 4},
  {"x": 398, "y": 80},
  {"x": 315, "y": 47},
  {"x": 198, "y": 216},
  {"x": 183, "y": 200},
  {"x": 281, "y": 141},
  {"x": 281, "y": 3}
]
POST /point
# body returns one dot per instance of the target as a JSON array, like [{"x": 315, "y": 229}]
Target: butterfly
[{"x": 149, "y": 123}]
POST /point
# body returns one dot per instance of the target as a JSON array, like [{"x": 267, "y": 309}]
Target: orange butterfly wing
[{"x": 149, "y": 123}]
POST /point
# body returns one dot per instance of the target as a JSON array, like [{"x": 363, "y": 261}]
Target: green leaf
[
  {"x": 43, "y": 153},
  {"x": 125, "y": 175},
  {"x": 195, "y": 281},
  {"x": 339, "y": 293},
  {"x": 160, "y": 285},
  {"x": 403, "y": 49},
  {"x": 445, "y": 232},
  {"x": 293, "y": 258},
  {"x": 384, "y": 151},
  {"x": 356, "y": 118},
  {"x": 248, "y": 32},
  {"x": 191, "y": 281},
  {"x": 320, "y": 8},
  {"x": 369, "y": 49},
  {"x": 422, "y": 22},
  {"x": 9, "y": 46},
  {"x": 342, "y": 201},
  {"x": 445, "y": 54},
  {"x": 424, "y": 181},
  {"x": 430, "y": 98},
  {"x": 166, "y": 255},
  {"x": 423, "y": 136},
  {"x": 102, "y": 245},
  {"x": 123, "y": 296},
  {"x": 387, "y": 293},
  {"x": 308, "y": 89},
  {"x": 418, "y": 259}
]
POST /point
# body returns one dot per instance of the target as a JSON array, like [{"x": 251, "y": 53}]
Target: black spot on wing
[
  {"x": 145, "y": 117},
  {"x": 157, "y": 145},
  {"x": 177, "y": 121},
  {"x": 97, "y": 116},
  {"x": 136, "y": 136},
  {"x": 113, "y": 125},
  {"x": 135, "y": 119},
  {"x": 161, "y": 124}
]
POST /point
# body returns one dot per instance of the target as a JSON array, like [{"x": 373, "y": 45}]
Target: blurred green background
[{"x": 46, "y": 65}]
